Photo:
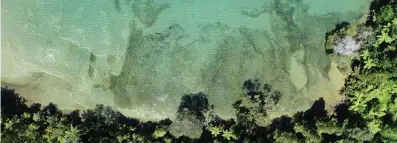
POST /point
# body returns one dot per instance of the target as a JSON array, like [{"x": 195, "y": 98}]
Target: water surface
[{"x": 141, "y": 56}]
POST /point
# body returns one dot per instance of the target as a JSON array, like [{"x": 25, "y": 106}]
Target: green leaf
[
  {"x": 215, "y": 131},
  {"x": 374, "y": 127},
  {"x": 369, "y": 64},
  {"x": 228, "y": 134},
  {"x": 394, "y": 21},
  {"x": 384, "y": 37},
  {"x": 365, "y": 54},
  {"x": 159, "y": 133}
]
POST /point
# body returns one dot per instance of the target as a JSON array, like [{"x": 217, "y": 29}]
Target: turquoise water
[{"x": 141, "y": 56}]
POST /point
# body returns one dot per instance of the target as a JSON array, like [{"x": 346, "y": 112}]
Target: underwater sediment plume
[{"x": 142, "y": 56}]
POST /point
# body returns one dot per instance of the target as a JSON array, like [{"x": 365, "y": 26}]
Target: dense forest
[{"x": 364, "y": 50}]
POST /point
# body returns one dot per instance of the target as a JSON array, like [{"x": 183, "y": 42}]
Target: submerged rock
[{"x": 148, "y": 11}]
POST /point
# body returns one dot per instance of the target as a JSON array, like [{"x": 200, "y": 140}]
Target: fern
[
  {"x": 215, "y": 131},
  {"x": 228, "y": 134}
]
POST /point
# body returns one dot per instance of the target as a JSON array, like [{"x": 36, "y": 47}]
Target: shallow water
[{"x": 141, "y": 56}]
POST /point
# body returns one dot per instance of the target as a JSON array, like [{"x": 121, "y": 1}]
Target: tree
[{"x": 384, "y": 37}]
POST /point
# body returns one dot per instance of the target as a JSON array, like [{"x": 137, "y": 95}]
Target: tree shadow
[
  {"x": 74, "y": 118},
  {"x": 342, "y": 112},
  {"x": 35, "y": 107},
  {"x": 195, "y": 104},
  {"x": 11, "y": 103},
  {"x": 51, "y": 110},
  {"x": 251, "y": 87},
  {"x": 283, "y": 123},
  {"x": 253, "y": 90},
  {"x": 316, "y": 111}
]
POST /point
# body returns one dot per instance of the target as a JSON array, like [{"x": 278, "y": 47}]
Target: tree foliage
[{"x": 371, "y": 89}]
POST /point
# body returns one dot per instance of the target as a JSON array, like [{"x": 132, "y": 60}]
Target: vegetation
[
  {"x": 371, "y": 89},
  {"x": 48, "y": 124},
  {"x": 368, "y": 112}
]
